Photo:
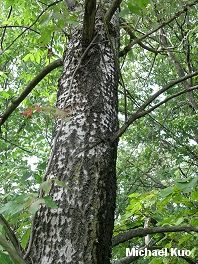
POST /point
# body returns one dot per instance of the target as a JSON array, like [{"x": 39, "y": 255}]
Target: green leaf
[
  {"x": 45, "y": 18},
  {"x": 131, "y": 55},
  {"x": 12, "y": 208},
  {"x": 58, "y": 16},
  {"x": 142, "y": 3},
  {"x": 38, "y": 178},
  {"x": 34, "y": 206},
  {"x": 167, "y": 191},
  {"x": 38, "y": 57},
  {"x": 124, "y": 12},
  {"x": 26, "y": 175},
  {"x": 179, "y": 221},
  {"x": 32, "y": 57},
  {"x": 45, "y": 36},
  {"x": 25, "y": 237},
  {"x": 134, "y": 9},
  {"x": 194, "y": 195},
  {"x": 4, "y": 258},
  {"x": 184, "y": 239},
  {"x": 26, "y": 57},
  {"x": 156, "y": 261},
  {"x": 24, "y": 198},
  {"x": 168, "y": 220},
  {"x": 194, "y": 221},
  {"x": 60, "y": 183},
  {"x": 5, "y": 94},
  {"x": 134, "y": 195},
  {"x": 46, "y": 186},
  {"x": 187, "y": 185},
  {"x": 49, "y": 202}
]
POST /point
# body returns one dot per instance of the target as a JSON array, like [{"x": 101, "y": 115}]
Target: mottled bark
[{"x": 83, "y": 157}]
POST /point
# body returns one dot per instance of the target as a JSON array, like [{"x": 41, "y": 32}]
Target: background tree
[{"x": 72, "y": 216}]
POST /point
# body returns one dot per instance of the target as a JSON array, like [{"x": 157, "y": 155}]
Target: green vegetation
[{"x": 157, "y": 160}]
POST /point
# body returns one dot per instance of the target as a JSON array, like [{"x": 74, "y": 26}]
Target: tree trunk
[{"x": 82, "y": 156}]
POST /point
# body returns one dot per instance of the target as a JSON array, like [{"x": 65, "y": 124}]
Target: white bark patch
[
  {"x": 58, "y": 196},
  {"x": 46, "y": 259},
  {"x": 67, "y": 250},
  {"x": 60, "y": 164},
  {"x": 93, "y": 132}
]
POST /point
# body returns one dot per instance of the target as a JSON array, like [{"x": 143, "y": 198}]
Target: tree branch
[
  {"x": 29, "y": 88},
  {"x": 11, "y": 235},
  {"x": 27, "y": 28},
  {"x": 89, "y": 22},
  {"x": 128, "y": 47},
  {"x": 128, "y": 30},
  {"x": 4, "y": 31},
  {"x": 110, "y": 12},
  {"x": 181, "y": 73},
  {"x": 9, "y": 26},
  {"x": 169, "y": 98},
  {"x": 16, "y": 145},
  {"x": 141, "y": 232},
  {"x": 166, "y": 87},
  {"x": 140, "y": 113},
  {"x": 11, "y": 251}
]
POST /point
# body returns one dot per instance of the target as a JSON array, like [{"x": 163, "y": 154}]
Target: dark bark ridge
[{"x": 89, "y": 21}]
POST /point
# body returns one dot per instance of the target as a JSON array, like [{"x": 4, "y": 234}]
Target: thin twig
[
  {"x": 132, "y": 35},
  {"x": 30, "y": 25},
  {"x": 4, "y": 31},
  {"x": 140, "y": 112},
  {"x": 110, "y": 12},
  {"x": 11, "y": 251},
  {"x": 6, "y": 140},
  {"x": 128, "y": 47},
  {"x": 10, "y": 26},
  {"x": 29, "y": 88},
  {"x": 11, "y": 235}
]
